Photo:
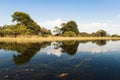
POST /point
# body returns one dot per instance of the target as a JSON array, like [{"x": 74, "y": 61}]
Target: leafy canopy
[
  {"x": 25, "y": 19},
  {"x": 70, "y": 26}
]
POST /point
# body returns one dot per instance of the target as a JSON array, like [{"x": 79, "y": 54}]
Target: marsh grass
[{"x": 35, "y": 39}]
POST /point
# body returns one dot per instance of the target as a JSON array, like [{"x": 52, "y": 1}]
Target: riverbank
[{"x": 47, "y": 39}]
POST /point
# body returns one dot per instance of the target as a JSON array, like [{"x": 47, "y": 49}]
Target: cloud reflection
[{"x": 86, "y": 47}]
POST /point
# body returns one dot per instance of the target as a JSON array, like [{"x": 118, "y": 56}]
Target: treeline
[
  {"x": 70, "y": 29},
  {"x": 25, "y": 25}
]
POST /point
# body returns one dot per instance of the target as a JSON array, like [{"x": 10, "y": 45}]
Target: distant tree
[
  {"x": 101, "y": 33},
  {"x": 25, "y": 19},
  {"x": 84, "y": 34},
  {"x": 57, "y": 31},
  {"x": 1, "y": 31},
  {"x": 93, "y": 34},
  {"x": 115, "y": 35},
  {"x": 70, "y": 26}
]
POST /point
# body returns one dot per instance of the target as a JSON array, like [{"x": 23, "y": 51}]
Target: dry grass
[{"x": 47, "y": 39}]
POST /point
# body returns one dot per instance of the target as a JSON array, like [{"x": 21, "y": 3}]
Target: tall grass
[{"x": 35, "y": 39}]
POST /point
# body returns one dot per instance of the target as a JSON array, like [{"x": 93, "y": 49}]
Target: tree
[
  {"x": 69, "y": 34},
  {"x": 25, "y": 19},
  {"x": 57, "y": 31},
  {"x": 45, "y": 32},
  {"x": 101, "y": 33},
  {"x": 115, "y": 35},
  {"x": 84, "y": 34},
  {"x": 70, "y": 26},
  {"x": 15, "y": 30},
  {"x": 1, "y": 31}
]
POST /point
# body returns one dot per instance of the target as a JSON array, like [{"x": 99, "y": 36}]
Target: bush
[
  {"x": 69, "y": 34},
  {"x": 84, "y": 34},
  {"x": 115, "y": 35}
]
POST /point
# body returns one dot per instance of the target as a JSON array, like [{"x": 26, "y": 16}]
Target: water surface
[{"x": 68, "y": 60}]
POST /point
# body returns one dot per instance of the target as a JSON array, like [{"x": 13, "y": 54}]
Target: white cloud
[
  {"x": 50, "y": 24},
  {"x": 94, "y": 24},
  {"x": 92, "y": 27}
]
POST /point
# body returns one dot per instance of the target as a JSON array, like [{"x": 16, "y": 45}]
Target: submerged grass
[{"x": 48, "y": 39}]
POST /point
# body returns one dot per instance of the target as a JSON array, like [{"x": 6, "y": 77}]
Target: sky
[{"x": 90, "y": 15}]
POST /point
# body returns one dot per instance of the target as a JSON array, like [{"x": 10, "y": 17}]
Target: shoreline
[{"x": 50, "y": 39}]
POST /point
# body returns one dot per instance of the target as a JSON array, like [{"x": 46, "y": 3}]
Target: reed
[{"x": 48, "y": 39}]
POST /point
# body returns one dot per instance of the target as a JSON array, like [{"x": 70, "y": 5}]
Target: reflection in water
[
  {"x": 26, "y": 51},
  {"x": 92, "y": 48},
  {"x": 82, "y": 65},
  {"x": 100, "y": 42},
  {"x": 69, "y": 47}
]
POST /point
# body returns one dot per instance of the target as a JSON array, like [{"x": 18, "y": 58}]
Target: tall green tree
[
  {"x": 101, "y": 33},
  {"x": 70, "y": 26},
  {"x": 25, "y": 19}
]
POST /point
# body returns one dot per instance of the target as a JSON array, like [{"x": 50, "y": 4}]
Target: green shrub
[{"x": 69, "y": 34}]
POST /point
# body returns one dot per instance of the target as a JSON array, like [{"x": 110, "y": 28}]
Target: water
[{"x": 68, "y": 60}]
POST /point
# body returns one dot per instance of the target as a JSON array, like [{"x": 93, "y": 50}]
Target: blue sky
[{"x": 90, "y": 15}]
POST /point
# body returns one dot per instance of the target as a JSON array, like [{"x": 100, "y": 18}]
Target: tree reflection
[
  {"x": 69, "y": 47},
  {"x": 27, "y": 51},
  {"x": 100, "y": 42}
]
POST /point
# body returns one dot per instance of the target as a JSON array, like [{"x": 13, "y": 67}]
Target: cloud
[
  {"x": 92, "y": 27},
  {"x": 94, "y": 24},
  {"x": 50, "y": 24}
]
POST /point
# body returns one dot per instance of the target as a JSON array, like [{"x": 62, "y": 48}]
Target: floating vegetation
[
  {"x": 63, "y": 74},
  {"x": 29, "y": 70},
  {"x": 6, "y": 76}
]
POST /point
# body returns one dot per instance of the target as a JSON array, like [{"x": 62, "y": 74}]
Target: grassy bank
[{"x": 41, "y": 39}]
